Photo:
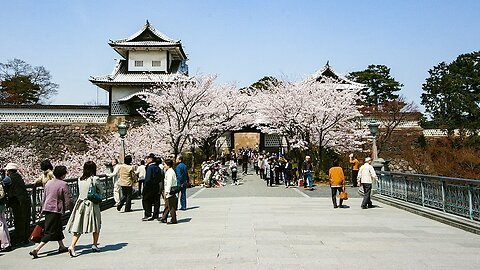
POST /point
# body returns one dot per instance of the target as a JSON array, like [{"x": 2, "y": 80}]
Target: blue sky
[{"x": 242, "y": 41}]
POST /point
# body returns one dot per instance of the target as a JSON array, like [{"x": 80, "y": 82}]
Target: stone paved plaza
[{"x": 254, "y": 227}]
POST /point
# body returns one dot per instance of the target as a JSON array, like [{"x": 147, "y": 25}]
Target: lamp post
[
  {"x": 376, "y": 163},
  {"x": 122, "y": 131},
  {"x": 373, "y": 126}
]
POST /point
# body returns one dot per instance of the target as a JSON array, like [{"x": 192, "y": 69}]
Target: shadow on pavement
[
  {"x": 133, "y": 210},
  {"x": 184, "y": 220},
  {"x": 192, "y": 207},
  {"x": 86, "y": 249}
]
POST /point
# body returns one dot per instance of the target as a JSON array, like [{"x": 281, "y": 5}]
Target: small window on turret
[
  {"x": 156, "y": 63},
  {"x": 139, "y": 63}
]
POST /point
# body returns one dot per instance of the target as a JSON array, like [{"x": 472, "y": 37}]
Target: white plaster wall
[
  {"x": 120, "y": 92},
  {"x": 147, "y": 57}
]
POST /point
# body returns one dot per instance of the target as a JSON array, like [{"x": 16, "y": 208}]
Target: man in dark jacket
[
  {"x": 287, "y": 172},
  {"x": 182, "y": 181},
  {"x": 151, "y": 190},
  {"x": 245, "y": 158},
  {"x": 19, "y": 201}
]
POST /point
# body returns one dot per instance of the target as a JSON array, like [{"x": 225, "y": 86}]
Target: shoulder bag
[{"x": 93, "y": 195}]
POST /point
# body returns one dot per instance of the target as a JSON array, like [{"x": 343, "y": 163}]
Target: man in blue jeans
[
  {"x": 182, "y": 180},
  {"x": 307, "y": 169}
]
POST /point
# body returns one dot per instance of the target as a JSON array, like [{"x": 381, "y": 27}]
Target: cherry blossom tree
[
  {"x": 228, "y": 110},
  {"x": 25, "y": 157},
  {"x": 139, "y": 142},
  {"x": 198, "y": 111},
  {"x": 312, "y": 115}
]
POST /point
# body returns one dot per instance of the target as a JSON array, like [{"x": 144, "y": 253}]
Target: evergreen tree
[
  {"x": 381, "y": 86},
  {"x": 452, "y": 93}
]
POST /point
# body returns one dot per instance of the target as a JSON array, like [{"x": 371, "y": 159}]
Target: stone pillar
[{"x": 378, "y": 165}]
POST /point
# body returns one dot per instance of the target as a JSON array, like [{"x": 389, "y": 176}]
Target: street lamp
[
  {"x": 122, "y": 131},
  {"x": 377, "y": 162},
  {"x": 373, "y": 126}
]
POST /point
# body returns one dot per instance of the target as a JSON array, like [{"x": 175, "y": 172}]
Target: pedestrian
[
  {"x": 277, "y": 168},
  {"x": 355, "y": 166},
  {"x": 170, "y": 198},
  {"x": 245, "y": 161},
  {"x": 269, "y": 175},
  {"x": 222, "y": 157},
  {"x": 141, "y": 170},
  {"x": 46, "y": 175},
  {"x": 151, "y": 190},
  {"x": 56, "y": 199},
  {"x": 255, "y": 163},
  {"x": 233, "y": 169},
  {"x": 126, "y": 178},
  {"x": 287, "y": 172},
  {"x": 337, "y": 183},
  {"x": 307, "y": 169},
  {"x": 261, "y": 166},
  {"x": 366, "y": 176},
  {"x": 117, "y": 189},
  {"x": 86, "y": 216},
  {"x": 181, "y": 172},
  {"x": 5, "y": 245},
  {"x": 159, "y": 163},
  {"x": 19, "y": 201}
]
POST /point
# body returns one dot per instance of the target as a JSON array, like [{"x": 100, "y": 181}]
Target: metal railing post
[
  {"x": 391, "y": 185},
  {"x": 34, "y": 205},
  {"x": 423, "y": 192},
  {"x": 406, "y": 188},
  {"x": 443, "y": 195},
  {"x": 470, "y": 202}
]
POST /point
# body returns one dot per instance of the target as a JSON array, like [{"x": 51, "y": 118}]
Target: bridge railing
[
  {"x": 36, "y": 197},
  {"x": 456, "y": 196}
]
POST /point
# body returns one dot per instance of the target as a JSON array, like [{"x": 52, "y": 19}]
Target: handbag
[
  {"x": 343, "y": 195},
  {"x": 93, "y": 195},
  {"x": 133, "y": 176},
  {"x": 174, "y": 190},
  {"x": 37, "y": 234}
]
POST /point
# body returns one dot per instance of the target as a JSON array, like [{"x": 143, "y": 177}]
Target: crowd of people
[
  {"x": 275, "y": 168},
  {"x": 157, "y": 180}
]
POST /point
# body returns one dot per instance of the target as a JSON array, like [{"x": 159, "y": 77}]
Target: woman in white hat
[
  {"x": 4, "y": 234},
  {"x": 19, "y": 202}
]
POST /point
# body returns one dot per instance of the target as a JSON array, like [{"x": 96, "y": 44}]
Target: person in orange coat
[
  {"x": 337, "y": 182},
  {"x": 355, "y": 167}
]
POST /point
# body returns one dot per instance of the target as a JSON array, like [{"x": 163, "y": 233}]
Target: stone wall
[{"x": 49, "y": 138}]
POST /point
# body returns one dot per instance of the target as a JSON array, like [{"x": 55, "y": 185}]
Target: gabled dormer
[
  {"x": 149, "y": 59},
  {"x": 327, "y": 75},
  {"x": 149, "y": 50}
]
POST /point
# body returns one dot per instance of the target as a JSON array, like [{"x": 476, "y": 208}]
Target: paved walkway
[{"x": 254, "y": 227}]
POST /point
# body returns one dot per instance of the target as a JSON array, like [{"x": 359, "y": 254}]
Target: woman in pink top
[{"x": 56, "y": 199}]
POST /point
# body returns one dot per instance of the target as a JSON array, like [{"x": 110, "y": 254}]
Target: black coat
[
  {"x": 153, "y": 180},
  {"x": 288, "y": 170},
  {"x": 17, "y": 191}
]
